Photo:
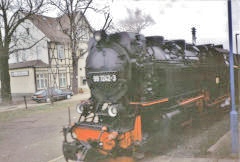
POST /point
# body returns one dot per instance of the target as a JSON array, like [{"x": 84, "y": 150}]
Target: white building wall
[
  {"x": 40, "y": 52},
  {"x": 24, "y": 75},
  {"x": 30, "y": 34},
  {"x": 82, "y": 84}
]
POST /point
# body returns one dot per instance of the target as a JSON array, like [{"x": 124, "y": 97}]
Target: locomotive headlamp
[
  {"x": 97, "y": 36},
  {"x": 80, "y": 108},
  {"x": 112, "y": 111}
]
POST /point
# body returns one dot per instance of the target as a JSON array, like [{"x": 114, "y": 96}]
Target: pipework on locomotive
[{"x": 138, "y": 83}]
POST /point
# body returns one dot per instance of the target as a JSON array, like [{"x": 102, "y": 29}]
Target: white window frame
[
  {"x": 83, "y": 81},
  {"x": 21, "y": 56},
  {"x": 83, "y": 33},
  {"x": 62, "y": 80},
  {"x": 60, "y": 51},
  {"x": 24, "y": 56},
  {"x": 38, "y": 52},
  {"x": 42, "y": 81}
]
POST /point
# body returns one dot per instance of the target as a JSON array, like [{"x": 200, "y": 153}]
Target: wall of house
[
  {"x": 82, "y": 83},
  {"x": 48, "y": 53},
  {"x": 29, "y": 35},
  {"x": 64, "y": 65},
  {"x": 61, "y": 66},
  {"x": 22, "y": 81}
]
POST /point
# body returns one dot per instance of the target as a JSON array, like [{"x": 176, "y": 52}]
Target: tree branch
[{"x": 26, "y": 48}]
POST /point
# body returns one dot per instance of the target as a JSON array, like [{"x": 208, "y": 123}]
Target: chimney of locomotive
[{"x": 194, "y": 38}]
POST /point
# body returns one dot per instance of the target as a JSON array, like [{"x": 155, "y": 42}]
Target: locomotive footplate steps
[
  {"x": 149, "y": 103},
  {"x": 119, "y": 159},
  {"x": 74, "y": 150},
  {"x": 222, "y": 101},
  {"x": 191, "y": 100}
]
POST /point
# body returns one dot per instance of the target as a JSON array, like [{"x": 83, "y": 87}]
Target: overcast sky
[{"x": 175, "y": 18}]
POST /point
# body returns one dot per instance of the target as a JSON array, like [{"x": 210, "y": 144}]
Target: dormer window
[
  {"x": 60, "y": 51},
  {"x": 83, "y": 33},
  {"x": 28, "y": 31}
]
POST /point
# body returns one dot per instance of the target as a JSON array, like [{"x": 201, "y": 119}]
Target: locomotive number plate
[{"x": 105, "y": 78}]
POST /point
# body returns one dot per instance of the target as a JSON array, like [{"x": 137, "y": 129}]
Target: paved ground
[
  {"x": 34, "y": 134},
  {"x": 162, "y": 159}
]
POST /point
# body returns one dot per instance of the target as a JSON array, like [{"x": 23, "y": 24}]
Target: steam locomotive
[{"x": 138, "y": 84}]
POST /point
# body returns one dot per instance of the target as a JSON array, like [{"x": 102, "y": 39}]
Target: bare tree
[
  {"x": 13, "y": 13},
  {"x": 135, "y": 22},
  {"x": 72, "y": 23}
]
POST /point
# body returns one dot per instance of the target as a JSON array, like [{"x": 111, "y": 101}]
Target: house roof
[
  {"x": 50, "y": 27},
  {"x": 27, "y": 64}
]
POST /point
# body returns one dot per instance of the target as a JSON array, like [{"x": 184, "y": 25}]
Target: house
[{"x": 49, "y": 62}]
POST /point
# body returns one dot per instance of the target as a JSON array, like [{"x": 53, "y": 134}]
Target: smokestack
[{"x": 194, "y": 38}]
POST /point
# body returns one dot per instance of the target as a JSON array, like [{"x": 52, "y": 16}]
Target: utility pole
[{"x": 233, "y": 113}]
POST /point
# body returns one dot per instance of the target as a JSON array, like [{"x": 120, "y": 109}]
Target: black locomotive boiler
[{"x": 140, "y": 83}]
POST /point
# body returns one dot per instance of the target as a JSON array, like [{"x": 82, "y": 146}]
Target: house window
[
  {"x": 21, "y": 56},
  {"x": 83, "y": 80},
  {"x": 62, "y": 80},
  {"x": 24, "y": 56},
  {"x": 84, "y": 33},
  {"x": 38, "y": 52},
  {"x": 17, "y": 57},
  {"x": 60, "y": 51},
  {"x": 42, "y": 81},
  {"x": 28, "y": 31}
]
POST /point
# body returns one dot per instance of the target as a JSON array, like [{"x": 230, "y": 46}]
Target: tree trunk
[
  {"x": 5, "y": 77},
  {"x": 75, "y": 73}
]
